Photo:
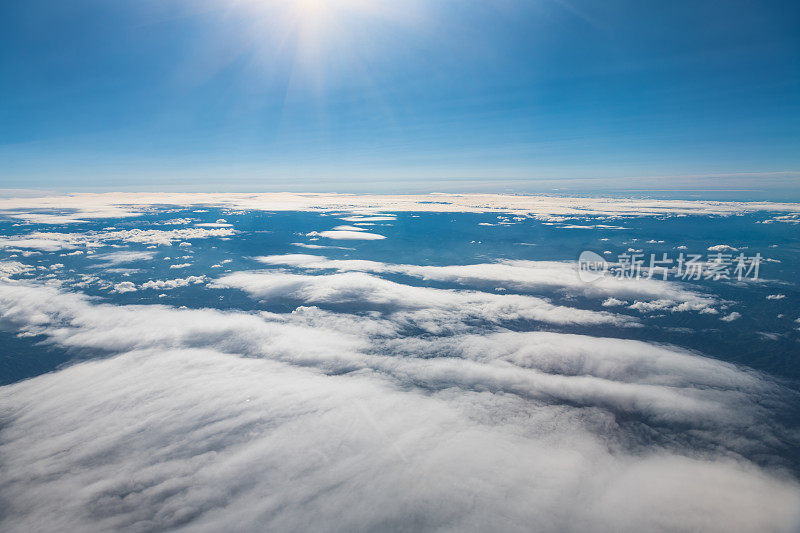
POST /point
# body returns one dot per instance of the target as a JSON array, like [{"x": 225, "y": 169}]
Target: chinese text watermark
[{"x": 683, "y": 266}]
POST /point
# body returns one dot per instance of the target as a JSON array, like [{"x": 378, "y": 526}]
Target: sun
[
  {"x": 317, "y": 31},
  {"x": 312, "y": 7},
  {"x": 315, "y": 22},
  {"x": 287, "y": 52}
]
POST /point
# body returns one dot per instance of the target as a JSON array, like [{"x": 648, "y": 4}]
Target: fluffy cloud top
[
  {"x": 12, "y": 268},
  {"x": 125, "y": 286}
]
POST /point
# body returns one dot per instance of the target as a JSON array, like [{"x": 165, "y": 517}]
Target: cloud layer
[
  {"x": 429, "y": 308},
  {"x": 358, "y": 395},
  {"x": 519, "y": 275},
  {"x": 79, "y": 207},
  {"x": 54, "y": 241},
  {"x": 210, "y": 420}
]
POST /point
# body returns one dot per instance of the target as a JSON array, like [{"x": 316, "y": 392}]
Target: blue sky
[{"x": 396, "y": 96}]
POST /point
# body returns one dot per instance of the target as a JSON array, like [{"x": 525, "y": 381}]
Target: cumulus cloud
[
  {"x": 169, "y": 284},
  {"x": 54, "y": 241},
  {"x": 722, "y": 248},
  {"x": 210, "y": 420},
  {"x": 731, "y": 317},
  {"x": 9, "y": 269},
  {"x": 671, "y": 306},
  {"x": 125, "y": 286}
]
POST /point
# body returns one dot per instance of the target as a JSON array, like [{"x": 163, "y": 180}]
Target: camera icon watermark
[{"x": 591, "y": 266}]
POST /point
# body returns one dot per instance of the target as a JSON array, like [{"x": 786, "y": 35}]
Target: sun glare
[
  {"x": 312, "y": 6},
  {"x": 320, "y": 36}
]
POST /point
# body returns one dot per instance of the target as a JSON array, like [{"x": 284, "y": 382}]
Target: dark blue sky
[{"x": 365, "y": 95}]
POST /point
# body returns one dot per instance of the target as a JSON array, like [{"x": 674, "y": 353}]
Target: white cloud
[
  {"x": 348, "y": 228},
  {"x": 213, "y": 225},
  {"x": 213, "y": 420},
  {"x": 52, "y": 241},
  {"x": 519, "y": 275},
  {"x": 207, "y": 420},
  {"x": 76, "y": 207},
  {"x": 377, "y": 218},
  {"x": 125, "y": 286},
  {"x": 39, "y": 241},
  {"x": 318, "y": 246},
  {"x": 174, "y": 222},
  {"x": 12, "y": 268},
  {"x": 122, "y": 257},
  {"x": 168, "y": 284},
  {"x": 180, "y": 265},
  {"x": 590, "y": 226},
  {"x": 671, "y": 306},
  {"x": 346, "y": 235},
  {"x": 722, "y": 248},
  {"x": 428, "y": 308},
  {"x": 776, "y": 296},
  {"x": 731, "y": 317},
  {"x": 164, "y": 237}
]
